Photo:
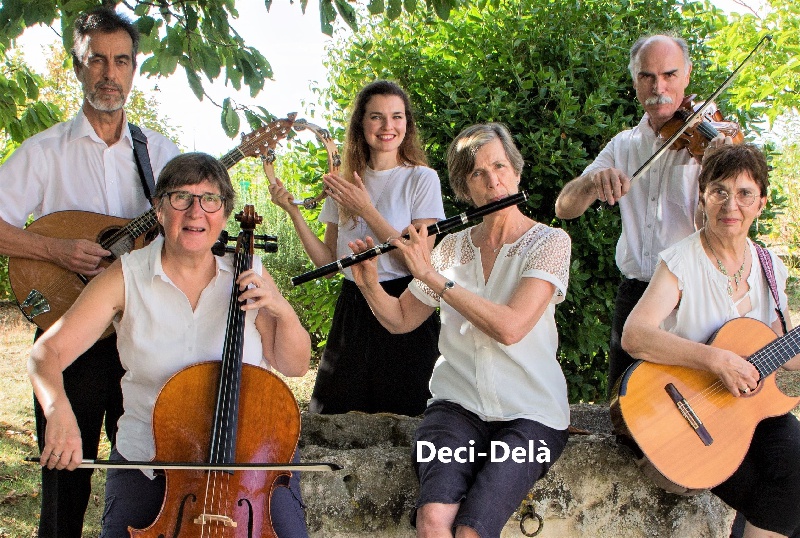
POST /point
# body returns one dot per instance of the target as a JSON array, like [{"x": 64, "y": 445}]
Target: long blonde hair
[{"x": 356, "y": 149}]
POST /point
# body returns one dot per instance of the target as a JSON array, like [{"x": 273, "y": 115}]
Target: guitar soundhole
[{"x": 117, "y": 245}]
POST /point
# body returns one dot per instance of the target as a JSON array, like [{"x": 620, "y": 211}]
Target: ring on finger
[
  {"x": 53, "y": 454},
  {"x": 745, "y": 390}
]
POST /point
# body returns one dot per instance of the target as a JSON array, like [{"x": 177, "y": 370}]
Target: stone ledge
[{"x": 593, "y": 490}]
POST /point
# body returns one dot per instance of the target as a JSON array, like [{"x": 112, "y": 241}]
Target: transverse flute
[{"x": 435, "y": 228}]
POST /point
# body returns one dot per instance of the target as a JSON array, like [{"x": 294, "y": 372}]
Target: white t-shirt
[
  {"x": 495, "y": 381},
  {"x": 658, "y": 210},
  {"x": 69, "y": 167},
  {"x": 400, "y": 194},
  {"x": 159, "y": 334},
  {"x": 705, "y": 304}
]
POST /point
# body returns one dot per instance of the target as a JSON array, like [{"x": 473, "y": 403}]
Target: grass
[{"x": 19, "y": 482}]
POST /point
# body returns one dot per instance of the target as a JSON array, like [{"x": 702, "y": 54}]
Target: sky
[{"x": 290, "y": 40}]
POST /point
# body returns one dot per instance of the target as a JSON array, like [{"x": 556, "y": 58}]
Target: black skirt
[{"x": 366, "y": 368}]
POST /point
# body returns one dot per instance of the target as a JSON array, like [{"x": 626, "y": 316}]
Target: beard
[
  {"x": 658, "y": 100},
  {"x": 102, "y": 102}
]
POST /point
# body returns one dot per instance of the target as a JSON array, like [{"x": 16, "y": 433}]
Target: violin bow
[
  {"x": 657, "y": 155},
  {"x": 190, "y": 466},
  {"x": 324, "y": 137}
]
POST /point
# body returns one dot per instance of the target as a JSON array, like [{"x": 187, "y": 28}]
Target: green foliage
[
  {"x": 556, "y": 74},
  {"x": 22, "y": 112},
  {"x": 196, "y": 37},
  {"x": 770, "y": 84},
  {"x": 300, "y": 168}
]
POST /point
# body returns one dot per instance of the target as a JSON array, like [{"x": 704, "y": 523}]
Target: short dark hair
[
  {"x": 729, "y": 161},
  {"x": 193, "y": 168},
  {"x": 104, "y": 20},
  {"x": 461, "y": 153}
]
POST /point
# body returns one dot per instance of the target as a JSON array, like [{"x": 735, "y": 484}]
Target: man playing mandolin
[
  {"x": 86, "y": 163},
  {"x": 659, "y": 208}
]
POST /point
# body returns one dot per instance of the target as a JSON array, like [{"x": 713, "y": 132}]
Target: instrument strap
[
  {"x": 769, "y": 274},
  {"x": 143, "y": 161}
]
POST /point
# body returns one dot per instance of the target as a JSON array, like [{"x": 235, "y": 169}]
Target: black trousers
[
  {"x": 92, "y": 384},
  {"x": 628, "y": 294}
]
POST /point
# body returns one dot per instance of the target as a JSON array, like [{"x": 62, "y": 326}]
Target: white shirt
[
  {"x": 400, "y": 194},
  {"x": 705, "y": 304},
  {"x": 495, "y": 381},
  {"x": 68, "y": 167},
  {"x": 159, "y": 334},
  {"x": 658, "y": 210}
]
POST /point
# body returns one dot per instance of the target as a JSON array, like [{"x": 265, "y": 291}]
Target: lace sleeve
[
  {"x": 550, "y": 253},
  {"x": 442, "y": 257}
]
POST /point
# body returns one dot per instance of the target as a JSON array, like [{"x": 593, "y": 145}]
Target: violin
[
  {"x": 696, "y": 137},
  {"x": 223, "y": 413}
]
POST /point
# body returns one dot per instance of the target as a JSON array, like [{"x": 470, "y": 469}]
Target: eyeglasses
[
  {"x": 744, "y": 198},
  {"x": 183, "y": 200}
]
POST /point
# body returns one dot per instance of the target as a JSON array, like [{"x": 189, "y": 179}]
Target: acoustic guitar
[
  {"x": 693, "y": 431},
  {"x": 44, "y": 290}
]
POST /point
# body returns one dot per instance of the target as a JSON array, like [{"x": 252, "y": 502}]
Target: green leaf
[
  {"x": 194, "y": 83},
  {"x": 394, "y": 10},
  {"x": 230, "y": 119},
  {"x": 327, "y": 14},
  {"x": 375, "y": 7},
  {"x": 253, "y": 120},
  {"x": 145, "y": 24},
  {"x": 348, "y": 13}
]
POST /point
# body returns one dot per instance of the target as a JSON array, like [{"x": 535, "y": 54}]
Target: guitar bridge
[
  {"x": 37, "y": 303},
  {"x": 688, "y": 413}
]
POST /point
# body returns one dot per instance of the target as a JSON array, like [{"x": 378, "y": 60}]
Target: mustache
[
  {"x": 108, "y": 85},
  {"x": 658, "y": 100}
]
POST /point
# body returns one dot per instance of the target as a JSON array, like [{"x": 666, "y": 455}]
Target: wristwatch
[{"x": 449, "y": 285}]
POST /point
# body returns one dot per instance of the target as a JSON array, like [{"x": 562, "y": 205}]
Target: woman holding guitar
[
  {"x": 712, "y": 277},
  {"x": 168, "y": 302}
]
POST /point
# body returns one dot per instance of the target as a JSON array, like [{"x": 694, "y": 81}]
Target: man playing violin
[
  {"x": 659, "y": 208},
  {"x": 88, "y": 164}
]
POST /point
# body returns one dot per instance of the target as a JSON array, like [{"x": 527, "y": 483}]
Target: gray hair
[
  {"x": 646, "y": 40},
  {"x": 103, "y": 20},
  {"x": 461, "y": 154}
]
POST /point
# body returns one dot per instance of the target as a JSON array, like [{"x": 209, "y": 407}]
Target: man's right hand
[
  {"x": 608, "y": 184},
  {"x": 78, "y": 255}
]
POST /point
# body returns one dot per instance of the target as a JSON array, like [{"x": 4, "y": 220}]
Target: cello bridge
[{"x": 203, "y": 519}]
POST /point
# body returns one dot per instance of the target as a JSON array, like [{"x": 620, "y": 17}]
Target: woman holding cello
[{"x": 168, "y": 303}]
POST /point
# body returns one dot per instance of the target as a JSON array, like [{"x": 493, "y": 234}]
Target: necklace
[
  {"x": 737, "y": 276},
  {"x": 486, "y": 236}
]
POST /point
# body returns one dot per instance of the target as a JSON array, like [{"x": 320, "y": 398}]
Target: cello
[{"x": 220, "y": 413}]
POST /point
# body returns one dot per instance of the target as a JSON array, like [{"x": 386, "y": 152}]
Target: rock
[{"x": 593, "y": 490}]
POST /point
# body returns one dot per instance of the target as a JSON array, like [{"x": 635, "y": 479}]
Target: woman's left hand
[
  {"x": 351, "y": 196},
  {"x": 416, "y": 251},
  {"x": 260, "y": 291}
]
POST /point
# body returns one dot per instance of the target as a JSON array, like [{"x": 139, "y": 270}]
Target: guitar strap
[
  {"x": 769, "y": 274},
  {"x": 143, "y": 161}
]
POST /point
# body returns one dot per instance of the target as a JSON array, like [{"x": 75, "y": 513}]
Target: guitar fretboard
[{"x": 775, "y": 354}]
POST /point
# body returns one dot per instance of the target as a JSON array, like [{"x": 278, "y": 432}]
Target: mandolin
[{"x": 44, "y": 290}]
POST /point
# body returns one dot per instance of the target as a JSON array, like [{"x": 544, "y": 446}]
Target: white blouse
[
  {"x": 159, "y": 334},
  {"x": 401, "y": 194},
  {"x": 495, "y": 381},
  {"x": 705, "y": 304}
]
